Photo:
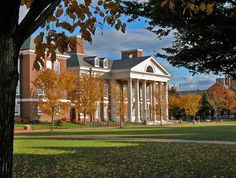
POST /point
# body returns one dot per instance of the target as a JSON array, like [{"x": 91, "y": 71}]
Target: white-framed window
[
  {"x": 105, "y": 63},
  {"x": 49, "y": 64},
  {"x": 17, "y": 108},
  {"x": 39, "y": 111},
  {"x": 56, "y": 67},
  {"x": 40, "y": 91},
  {"x": 96, "y": 62},
  {"x": 18, "y": 83}
]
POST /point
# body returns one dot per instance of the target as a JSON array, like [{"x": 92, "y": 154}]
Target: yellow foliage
[{"x": 191, "y": 103}]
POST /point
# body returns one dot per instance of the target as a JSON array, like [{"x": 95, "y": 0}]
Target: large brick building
[{"x": 139, "y": 75}]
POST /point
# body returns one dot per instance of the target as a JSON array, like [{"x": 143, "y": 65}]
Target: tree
[
  {"x": 87, "y": 94},
  {"x": 159, "y": 107},
  {"x": 231, "y": 100},
  {"x": 216, "y": 98},
  {"x": 204, "y": 32},
  {"x": 119, "y": 106},
  {"x": 190, "y": 103},
  {"x": 54, "y": 86},
  {"x": 67, "y": 15}
]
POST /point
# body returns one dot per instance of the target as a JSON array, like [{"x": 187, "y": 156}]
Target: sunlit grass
[{"x": 201, "y": 131}]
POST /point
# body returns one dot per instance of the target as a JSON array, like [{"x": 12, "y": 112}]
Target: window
[
  {"x": 18, "y": 83},
  {"x": 96, "y": 62},
  {"x": 56, "y": 67},
  {"x": 149, "y": 69},
  {"x": 105, "y": 63},
  {"x": 17, "y": 109},
  {"x": 40, "y": 91},
  {"x": 40, "y": 113},
  {"x": 48, "y": 64}
]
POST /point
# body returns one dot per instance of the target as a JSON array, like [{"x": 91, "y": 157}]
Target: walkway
[{"x": 135, "y": 139}]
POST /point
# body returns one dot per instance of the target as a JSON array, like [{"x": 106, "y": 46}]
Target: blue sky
[{"x": 109, "y": 42}]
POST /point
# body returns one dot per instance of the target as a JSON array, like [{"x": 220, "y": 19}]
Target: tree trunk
[
  {"x": 8, "y": 81},
  {"x": 53, "y": 108},
  {"x": 9, "y": 52}
]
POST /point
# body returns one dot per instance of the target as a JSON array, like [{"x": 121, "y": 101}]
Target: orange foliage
[{"x": 191, "y": 103}]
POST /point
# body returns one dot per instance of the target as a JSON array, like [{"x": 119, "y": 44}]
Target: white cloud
[{"x": 112, "y": 42}]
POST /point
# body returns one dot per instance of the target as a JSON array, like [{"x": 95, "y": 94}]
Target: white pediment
[{"x": 151, "y": 63}]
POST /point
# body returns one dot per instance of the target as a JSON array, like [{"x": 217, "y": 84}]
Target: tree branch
[
  {"x": 232, "y": 2},
  {"x": 35, "y": 17}
]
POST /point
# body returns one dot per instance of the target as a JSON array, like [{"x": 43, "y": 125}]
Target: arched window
[{"x": 150, "y": 69}]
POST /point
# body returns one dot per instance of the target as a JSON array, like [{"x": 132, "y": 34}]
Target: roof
[
  {"x": 28, "y": 44},
  {"x": 128, "y": 63},
  {"x": 77, "y": 60}
]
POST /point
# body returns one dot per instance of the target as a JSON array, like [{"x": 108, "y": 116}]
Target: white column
[
  {"x": 137, "y": 109},
  {"x": 150, "y": 102},
  {"x": 144, "y": 99},
  {"x": 130, "y": 101},
  {"x": 154, "y": 100},
  {"x": 166, "y": 101},
  {"x": 161, "y": 101}
]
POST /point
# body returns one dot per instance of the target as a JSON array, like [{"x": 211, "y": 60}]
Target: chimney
[
  {"x": 79, "y": 46},
  {"x": 133, "y": 53}
]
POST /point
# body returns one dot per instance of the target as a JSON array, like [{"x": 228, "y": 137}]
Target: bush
[
  {"x": 17, "y": 120},
  {"x": 25, "y": 121},
  {"x": 59, "y": 123}
]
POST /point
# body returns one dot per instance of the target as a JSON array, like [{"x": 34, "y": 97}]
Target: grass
[
  {"x": 97, "y": 158},
  {"x": 202, "y": 131}
]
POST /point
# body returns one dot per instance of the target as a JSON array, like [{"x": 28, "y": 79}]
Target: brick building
[{"x": 139, "y": 75}]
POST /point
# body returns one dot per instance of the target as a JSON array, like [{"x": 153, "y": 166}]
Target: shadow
[
  {"x": 195, "y": 132},
  {"x": 89, "y": 158}
]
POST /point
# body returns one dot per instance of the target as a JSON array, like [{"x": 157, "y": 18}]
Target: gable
[{"x": 150, "y": 66}]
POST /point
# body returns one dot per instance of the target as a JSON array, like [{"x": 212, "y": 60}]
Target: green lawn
[
  {"x": 96, "y": 158},
  {"x": 202, "y": 131}
]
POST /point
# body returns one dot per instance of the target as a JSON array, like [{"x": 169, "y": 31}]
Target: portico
[{"x": 147, "y": 91}]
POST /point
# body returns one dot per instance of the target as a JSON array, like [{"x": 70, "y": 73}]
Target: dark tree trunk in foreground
[{"x": 9, "y": 52}]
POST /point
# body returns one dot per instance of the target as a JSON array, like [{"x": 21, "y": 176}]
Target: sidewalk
[{"x": 135, "y": 139}]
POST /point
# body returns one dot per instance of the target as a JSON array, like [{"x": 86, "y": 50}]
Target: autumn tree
[
  {"x": 159, "y": 108},
  {"x": 66, "y": 15},
  {"x": 231, "y": 100},
  {"x": 220, "y": 98},
  {"x": 203, "y": 32},
  {"x": 190, "y": 103},
  {"x": 54, "y": 87},
  {"x": 118, "y": 105},
  {"x": 174, "y": 106},
  {"x": 87, "y": 94}
]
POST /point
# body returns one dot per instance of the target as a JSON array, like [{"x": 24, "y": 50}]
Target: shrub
[{"x": 59, "y": 123}]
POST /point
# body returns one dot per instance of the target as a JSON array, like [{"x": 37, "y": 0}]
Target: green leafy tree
[
  {"x": 204, "y": 32},
  {"x": 68, "y": 16}
]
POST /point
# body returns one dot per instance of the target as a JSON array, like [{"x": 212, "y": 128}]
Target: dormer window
[
  {"x": 96, "y": 62},
  {"x": 105, "y": 63}
]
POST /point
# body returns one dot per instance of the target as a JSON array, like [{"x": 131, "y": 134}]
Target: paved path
[{"x": 135, "y": 139}]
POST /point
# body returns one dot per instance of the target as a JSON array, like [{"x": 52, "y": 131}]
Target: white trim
[
  {"x": 29, "y": 99},
  {"x": 131, "y": 50},
  {"x": 30, "y": 51}
]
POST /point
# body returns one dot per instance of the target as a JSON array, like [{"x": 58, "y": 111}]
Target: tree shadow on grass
[
  {"x": 213, "y": 132},
  {"x": 123, "y": 159}
]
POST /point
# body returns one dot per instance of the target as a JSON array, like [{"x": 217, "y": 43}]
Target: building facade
[{"x": 140, "y": 76}]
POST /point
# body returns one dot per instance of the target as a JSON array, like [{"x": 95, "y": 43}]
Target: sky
[{"x": 108, "y": 43}]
